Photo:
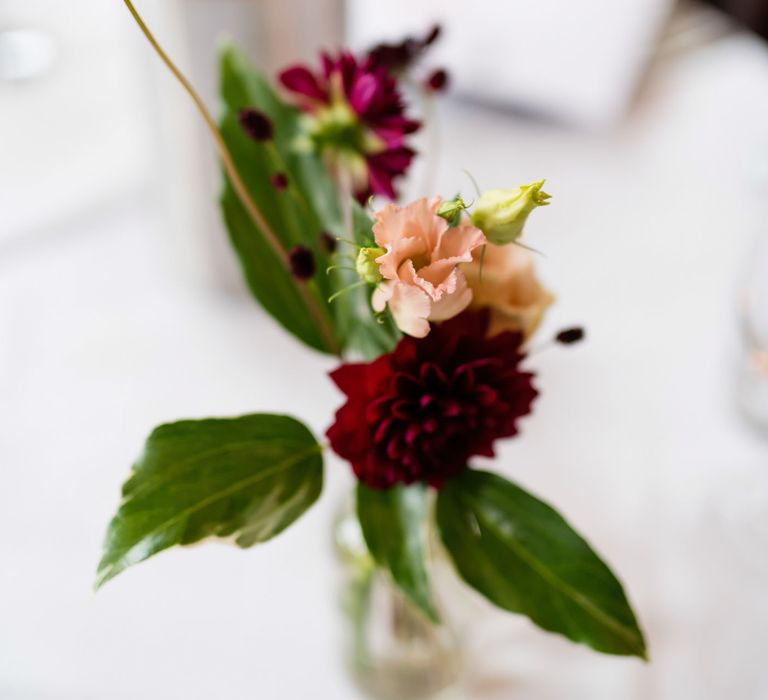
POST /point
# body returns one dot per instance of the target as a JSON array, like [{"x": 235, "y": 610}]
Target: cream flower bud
[
  {"x": 501, "y": 214},
  {"x": 366, "y": 264}
]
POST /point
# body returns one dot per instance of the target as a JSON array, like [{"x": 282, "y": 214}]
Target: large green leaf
[
  {"x": 393, "y": 524},
  {"x": 524, "y": 557},
  {"x": 244, "y": 478},
  {"x": 297, "y": 216}
]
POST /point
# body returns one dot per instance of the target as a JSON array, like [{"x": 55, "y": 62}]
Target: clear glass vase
[{"x": 393, "y": 651}]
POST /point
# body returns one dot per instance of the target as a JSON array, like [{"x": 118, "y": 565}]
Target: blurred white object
[
  {"x": 578, "y": 62},
  {"x": 25, "y": 54},
  {"x": 753, "y": 379},
  {"x": 73, "y": 120}
]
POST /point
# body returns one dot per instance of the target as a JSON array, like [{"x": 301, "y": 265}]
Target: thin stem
[
  {"x": 429, "y": 173},
  {"x": 344, "y": 183},
  {"x": 346, "y": 289},
  {"x": 237, "y": 182}
]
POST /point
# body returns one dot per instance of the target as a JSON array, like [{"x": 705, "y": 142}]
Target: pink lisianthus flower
[
  {"x": 421, "y": 278},
  {"x": 355, "y": 117}
]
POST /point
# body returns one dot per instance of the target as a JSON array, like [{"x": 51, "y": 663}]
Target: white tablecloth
[{"x": 635, "y": 436}]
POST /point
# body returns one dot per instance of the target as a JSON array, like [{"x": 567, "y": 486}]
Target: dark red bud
[
  {"x": 328, "y": 242},
  {"x": 569, "y": 336},
  {"x": 302, "y": 262},
  {"x": 438, "y": 81},
  {"x": 256, "y": 124},
  {"x": 280, "y": 182}
]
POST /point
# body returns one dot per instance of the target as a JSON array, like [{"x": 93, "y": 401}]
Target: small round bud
[
  {"x": 451, "y": 209},
  {"x": 256, "y": 124},
  {"x": 280, "y": 182},
  {"x": 366, "y": 264},
  {"x": 302, "y": 262},
  {"x": 437, "y": 81},
  {"x": 568, "y": 336}
]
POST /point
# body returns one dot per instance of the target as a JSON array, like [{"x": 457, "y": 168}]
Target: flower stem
[{"x": 237, "y": 182}]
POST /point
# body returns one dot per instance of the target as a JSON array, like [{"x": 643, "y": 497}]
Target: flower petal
[
  {"x": 301, "y": 80},
  {"x": 450, "y": 305},
  {"x": 362, "y": 93},
  {"x": 410, "y": 308}
]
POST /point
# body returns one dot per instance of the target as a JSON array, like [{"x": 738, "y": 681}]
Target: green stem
[{"x": 237, "y": 182}]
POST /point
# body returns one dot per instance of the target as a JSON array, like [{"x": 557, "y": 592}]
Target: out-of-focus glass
[
  {"x": 394, "y": 652},
  {"x": 753, "y": 379}
]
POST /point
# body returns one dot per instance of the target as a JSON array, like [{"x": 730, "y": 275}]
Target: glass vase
[{"x": 394, "y": 652}]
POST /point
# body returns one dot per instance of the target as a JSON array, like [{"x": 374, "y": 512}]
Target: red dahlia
[
  {"x": 420, "y": 412},
  {"x": 355, "y": 116}
]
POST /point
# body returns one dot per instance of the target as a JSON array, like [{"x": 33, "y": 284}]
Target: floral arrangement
[{"x": 429, "y": 306}]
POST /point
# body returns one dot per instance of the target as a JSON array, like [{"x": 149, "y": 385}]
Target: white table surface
[{"x": 635, "y": 437}]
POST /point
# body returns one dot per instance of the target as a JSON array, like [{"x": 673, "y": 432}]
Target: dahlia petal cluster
[
  {"x": 422, "y": 281},
  {"x": 420, "y": 412},
  {"x": 355, "y": 118}
]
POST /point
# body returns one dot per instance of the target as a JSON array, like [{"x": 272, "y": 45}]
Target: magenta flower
[{"x": 354, "y": 117}]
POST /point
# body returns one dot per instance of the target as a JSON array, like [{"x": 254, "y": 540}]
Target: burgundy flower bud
[
  {"x": 328, "y": 242},
  {"x": 256, "y": 124},
  {"x": 302, "y": 262},
  {"x": 393, "y": 57},
  {"x": 568, "y": 336},
  {"x": 280, "y": 182},
  {"x": 437, "y": 81}
]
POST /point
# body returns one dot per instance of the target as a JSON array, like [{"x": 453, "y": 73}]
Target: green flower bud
[
  {"x": 451, "y": 210},
  {"x": 366, "y": 264},
  {"x": 501, "y": 214}
]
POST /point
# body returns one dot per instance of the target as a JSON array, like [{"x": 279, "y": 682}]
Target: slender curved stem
[{"x": 237, "y": 182}]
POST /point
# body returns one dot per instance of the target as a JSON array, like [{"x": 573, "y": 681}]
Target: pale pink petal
[
  {"x": 410, "y": 308},
  {"x": 388, "y": 224},
  {"x": 397, "y": 251},
  {"x": 460, "y": 241},
  {"x": 437, "y": 272},
  {"x": 381, "y": 295},
  {"x": 452, "y": 304},
  {"x": 408, "y": 275},
  {"x": 417, "y": 220}
]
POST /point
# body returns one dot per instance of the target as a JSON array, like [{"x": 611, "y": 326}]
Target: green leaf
[
  {"x": 297, "y": 216},
  {"x": 393, "y": 524},
  {"x": 244, "y": 478},
  {"x": 524, "y": 557}
]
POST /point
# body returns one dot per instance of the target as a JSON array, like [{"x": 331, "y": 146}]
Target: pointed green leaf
[
  {"x": 393, "y": 524},
  {"x": 297, "y": 216},
  {"x": 524, "y": 557},
  {"x": 244, "y": 478}
]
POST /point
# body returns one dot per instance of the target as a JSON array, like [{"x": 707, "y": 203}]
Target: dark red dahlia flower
[
  {"x": 420, "y": 412},
  {"x": 355, "y": 117}
]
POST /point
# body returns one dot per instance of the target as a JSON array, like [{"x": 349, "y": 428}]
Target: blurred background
[{"x": 121, "y": 306}]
